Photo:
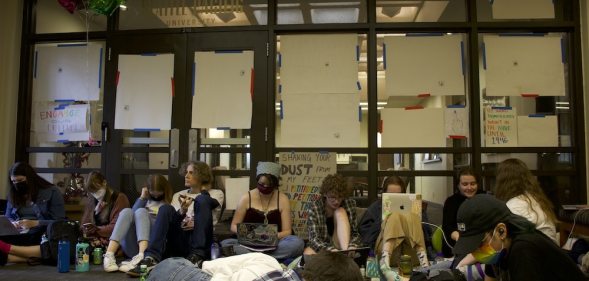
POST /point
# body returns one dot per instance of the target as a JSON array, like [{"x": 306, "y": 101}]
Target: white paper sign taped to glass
[
  {"x": 55, "y": 118},
  {"x": 500, "y": 127}
]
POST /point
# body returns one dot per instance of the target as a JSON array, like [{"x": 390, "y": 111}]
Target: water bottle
[
  {"x": 82, "y": 256},
  {"x": 63, "y": 256},
  {"x": 143, "y": 272},
  {"x": 215, "y": 251}
]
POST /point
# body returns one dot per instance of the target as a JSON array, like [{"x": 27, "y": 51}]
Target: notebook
[
  {"x": 258, "y": 237},
  {"x": 401, "y": 202},
  {"x": 6, "y": 227}
]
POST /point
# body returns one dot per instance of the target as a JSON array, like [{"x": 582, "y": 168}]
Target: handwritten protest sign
[
  {"x": 500, "y": 127},
  {"x": 302, "y": 174},
  {"x": 66, "y": 119}
]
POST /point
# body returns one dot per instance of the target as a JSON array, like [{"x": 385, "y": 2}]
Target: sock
[
  {"x": 422, "y": 256},
  {"x": 5, "y": 247},
  {"x": 387, "y": 271}
]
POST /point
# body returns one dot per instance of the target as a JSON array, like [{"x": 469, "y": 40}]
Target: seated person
[
  {"x": 510, "y": 245},
  {"x": 131, "y": 232},
  {"x": 185, "y": 228},
  {"x": 266, "y": 204},
  {"x": 332, "y": 219},
  {"x": 258, "y": 267},
  {"x": 370, "y": 223}
]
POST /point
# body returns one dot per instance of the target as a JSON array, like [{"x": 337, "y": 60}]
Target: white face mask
[{"x": 99, "y": 194}]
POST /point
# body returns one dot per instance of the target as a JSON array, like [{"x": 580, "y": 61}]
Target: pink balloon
[{"x": 70, "y": 5}]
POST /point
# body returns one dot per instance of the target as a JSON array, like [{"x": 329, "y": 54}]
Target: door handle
[{"x": 174, "y": 147}]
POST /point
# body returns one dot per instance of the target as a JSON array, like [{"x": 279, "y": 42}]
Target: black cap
[{"x": 476, "y": 216}]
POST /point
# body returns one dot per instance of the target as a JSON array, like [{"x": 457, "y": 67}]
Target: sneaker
[
  {"x": 128, "y": 265},
  {"x": 136, "y": 272},
  {"x": 196, "y": 259},
  {"x": 110, "y": 262}
]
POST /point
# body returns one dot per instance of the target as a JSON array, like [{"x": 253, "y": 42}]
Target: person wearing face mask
[
  {"x": 266, "y": 204},
  {"x": 102, "y": 208},
  {"x": 510, "y": 245},
  {"x": 33, "y": 203},
  {"x": 332, "y": 219},
  {"x": 185, "y": 228},
  {"x": 467, "y": 188},
  {"x": 131, "y": 231}
]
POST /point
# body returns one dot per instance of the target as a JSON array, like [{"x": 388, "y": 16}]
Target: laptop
[
  {"x": 6, "y": 227},
  {"x": 258, "y": 237},
  {"x": 401, "y": 202}
]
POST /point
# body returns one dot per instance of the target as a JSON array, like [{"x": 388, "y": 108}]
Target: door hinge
[
  {"x": 109, "y": 50},
  {"x": 267, "y": 49},
  {"x": 266, "y": 134}
]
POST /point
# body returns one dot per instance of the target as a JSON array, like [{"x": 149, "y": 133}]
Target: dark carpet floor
[{"x": 14, "y": 272}]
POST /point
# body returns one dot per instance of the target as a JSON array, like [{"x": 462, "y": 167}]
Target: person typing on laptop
[{"x": 266, "y": 205}]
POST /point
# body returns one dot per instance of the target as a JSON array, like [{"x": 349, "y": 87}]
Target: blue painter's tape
[
  {"x": 462, "y": 63},
  {"x": 228, "y": 51},
  {"x": 72, "y": 45},
  {"x": 149, "y": 54},
  {"x": 359, "y": 86},
  {"x": 537, "y": 115},
  {"x": 359, "y": 114},
  {"x": 484, "y": 56},
  {"x": 384, "y": 56},
  {"x": 279, "y": 88},
  {"x": 524, "y": 34},
  {"x": 281, "y": 110},
  {"x": 61, "y": 133},
  {"x": 65, "y": 100},
  {"x": 563, "y": 50},
  {"x": 424, "y": 34},
  {"x": 100, "y": 70},
  {"x": 193, "y": 78},
  {"x": 357, "y": 53},
  {"x": 456, "y": 106},
  {"x": 146, "y": 130},
  {"x": 501, "y": 107},
  {"x": 35, "y": 67},
  {"x": 223, "y": 128},
  {"x": 279, "y": 60},
  {"x": 63, "y": 141}
]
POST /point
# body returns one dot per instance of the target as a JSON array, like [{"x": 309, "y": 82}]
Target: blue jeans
[
  {"x": 177, "y": 269},
  {"x": 131, "y": 227},
  {"x": 290, "y": 246},
  {"x": 168, "y": 239}
]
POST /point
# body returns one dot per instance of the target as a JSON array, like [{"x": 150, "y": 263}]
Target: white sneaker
[
  {"x": 126, "y": 266},
  {"x": 110, "y": 262}
]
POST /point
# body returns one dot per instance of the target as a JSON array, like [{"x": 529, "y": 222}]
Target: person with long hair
[
  {"x": 266, "y": 204},
  {"x": 331, "y": 223},
  {"x": 509, "y": 245},
  {"x": 185, "y": 228},
  {"x": 131, "y": 231},
  {"x": 523, "y": 195},
  {"x": 468, "y": 186},
  {"x": 33, "y": 203},
  {"x": 102, "y": 207}
]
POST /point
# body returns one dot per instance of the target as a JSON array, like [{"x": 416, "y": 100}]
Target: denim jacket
[{"x": 48, "y": 207}]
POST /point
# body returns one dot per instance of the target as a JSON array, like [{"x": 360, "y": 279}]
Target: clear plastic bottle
[
  {"x": 215, "y": 251},
  {"x": 143, "y": 274}
]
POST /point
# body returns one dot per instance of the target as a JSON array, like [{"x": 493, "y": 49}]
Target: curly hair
[
  {"x": 335, "y": 185},
  {"x": 515, "y": 179},
  {"x": 201, "y": 168}
]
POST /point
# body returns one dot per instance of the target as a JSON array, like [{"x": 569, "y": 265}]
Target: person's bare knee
[{"x": 309, "y": 251}]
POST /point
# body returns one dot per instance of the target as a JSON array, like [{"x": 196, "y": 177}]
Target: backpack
[{"x": 59, "y": 230}]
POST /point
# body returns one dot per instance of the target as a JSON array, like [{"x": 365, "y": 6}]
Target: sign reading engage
[
  {"x": 302, "y": 174},
  {"x": 61, "y": 119},
  {"x": 500, "y": 127}
]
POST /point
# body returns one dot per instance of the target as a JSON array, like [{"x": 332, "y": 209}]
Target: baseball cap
[
  {"x": 475, "y": 217},
  {"x": 268, "y": 168}
]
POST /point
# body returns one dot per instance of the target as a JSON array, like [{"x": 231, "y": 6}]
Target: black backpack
[{"x": 56, "y": 231}]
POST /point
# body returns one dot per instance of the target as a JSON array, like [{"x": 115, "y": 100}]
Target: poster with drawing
[
  {"x": 500, "y": 127},
  {"x": 456, "y": 119},
  {"x": 302, "y": 174}
]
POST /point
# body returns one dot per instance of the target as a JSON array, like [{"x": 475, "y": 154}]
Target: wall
[
  {"x": 585, "y": 48},
  {"x": 10, "y": 22}
]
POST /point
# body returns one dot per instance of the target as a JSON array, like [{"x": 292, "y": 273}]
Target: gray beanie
[{"x": 268, "y": 168}]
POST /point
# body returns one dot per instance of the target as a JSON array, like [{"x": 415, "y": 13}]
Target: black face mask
[
  {"x": 21, "y": 187},
  {"x": 158, "y": 198}
]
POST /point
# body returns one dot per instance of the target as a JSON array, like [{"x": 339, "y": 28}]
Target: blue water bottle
[{"x": 63, "y": 256}]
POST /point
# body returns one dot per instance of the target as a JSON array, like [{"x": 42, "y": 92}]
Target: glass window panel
[
  {"x": 420, "y": 11},
  {"x": 131, "y": 185},
  {"x": 534, "y": 161},
  {"x": 140, "y": 160},
  {"x": 527, "y": 115},
  {"x": 436, "y": 103},
  {"x": 145, "y": 139},
  {"x": 81, "y": 160},
  {"x": 154, "y": 14},
  {"x": 328, "y": 87},
  {"x": 227, "y": 161},
  {"x": 522, "y": 10},
  {"x": 53, "y": 18},
  {"x": 422, "y": 161},
  {"x": 318, "y": 12}
]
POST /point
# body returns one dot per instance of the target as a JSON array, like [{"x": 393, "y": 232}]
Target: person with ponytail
[{"x": 266, "y": 204}]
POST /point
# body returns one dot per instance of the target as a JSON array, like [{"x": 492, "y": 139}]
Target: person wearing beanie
[
  {"x": 511, "y": 246},
  {"x": 266, "y": 204}
]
